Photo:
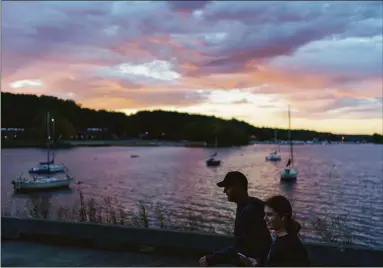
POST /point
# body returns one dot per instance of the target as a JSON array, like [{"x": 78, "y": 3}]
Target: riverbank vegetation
[
  {"x": 73, "y": 122},
  {"x": 330, "y": 229}
]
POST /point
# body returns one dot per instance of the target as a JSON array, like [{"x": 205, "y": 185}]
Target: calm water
[{"x": 178, "y": 179}]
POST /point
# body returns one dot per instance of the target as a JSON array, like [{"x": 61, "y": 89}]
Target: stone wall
[{"x": 173, "y": 242}]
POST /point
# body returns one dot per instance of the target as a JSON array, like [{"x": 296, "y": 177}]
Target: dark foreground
[
  {"x": 23, "y": 253},
  {"x": 25, "y": 243}
]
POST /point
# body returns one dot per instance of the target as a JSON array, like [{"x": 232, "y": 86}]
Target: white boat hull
[
  {"x": 289, "y": 174},
  {"x": 41, "y": 183},
  {"x": 273, "y": 157}
]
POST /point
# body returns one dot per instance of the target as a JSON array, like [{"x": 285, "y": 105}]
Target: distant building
[
  {"x": 11, "y": 133},
  {"x": 93, "y": 133},
  {"x": 95, "y": 129},
  {"x": 11, "y": 129}
]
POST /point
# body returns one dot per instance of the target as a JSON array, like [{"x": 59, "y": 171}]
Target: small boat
[
  {"x": 290, "y": 173},
  {"x": 274, "y": 156},
  {"x": 134, "y": 156},
  {"x": 213, "y": 163},
  {"x": 49, "y": 166},
  {"x": 40, "y": 183}
]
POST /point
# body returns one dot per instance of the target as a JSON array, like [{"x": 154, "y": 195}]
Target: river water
[{"x": 342, "y": 180}]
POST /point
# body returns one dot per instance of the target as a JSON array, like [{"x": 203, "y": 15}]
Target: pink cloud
[{"x": 315, "y": 55}]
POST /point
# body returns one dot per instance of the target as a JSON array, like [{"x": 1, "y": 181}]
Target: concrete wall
[{"x": 174, "y": 242}]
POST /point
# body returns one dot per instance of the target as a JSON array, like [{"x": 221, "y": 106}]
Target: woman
[{"x": 287, "y": 249}]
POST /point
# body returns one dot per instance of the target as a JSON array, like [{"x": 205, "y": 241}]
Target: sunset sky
[{"x": 247, "y": 60}]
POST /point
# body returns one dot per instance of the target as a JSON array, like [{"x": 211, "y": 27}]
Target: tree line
[{"x": 29, "y": 112}]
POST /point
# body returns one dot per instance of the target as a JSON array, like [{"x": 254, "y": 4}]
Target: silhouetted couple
[{"x": 254, "y": 220}]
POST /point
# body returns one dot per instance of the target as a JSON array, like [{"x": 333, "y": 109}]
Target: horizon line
[{"x": 201, "y": 114}]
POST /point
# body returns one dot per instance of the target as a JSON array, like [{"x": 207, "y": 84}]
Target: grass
[
  {"x": 331, "y": 229},
  {"x": 109, "y": 211}
]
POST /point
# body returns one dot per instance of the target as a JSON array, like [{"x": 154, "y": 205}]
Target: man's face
[{"x": 231, "y": 193}]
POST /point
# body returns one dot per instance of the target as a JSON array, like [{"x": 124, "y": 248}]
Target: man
[{"x": 251, "y": 235}]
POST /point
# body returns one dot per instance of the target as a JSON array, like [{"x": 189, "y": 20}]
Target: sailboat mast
[
  {"x": 291, "y": 143},
  {"x": 48, "y": 134},
  {"x": 53, "y": 139},
  {"x": 275, "y": 139}
]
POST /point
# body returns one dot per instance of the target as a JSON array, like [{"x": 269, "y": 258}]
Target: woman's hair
[{"x": 281, "y": 205}]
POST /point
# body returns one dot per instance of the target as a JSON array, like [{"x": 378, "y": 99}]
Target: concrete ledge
[
  {"x": 109, "y": 236},
  {"x": 192, "y": 243}
]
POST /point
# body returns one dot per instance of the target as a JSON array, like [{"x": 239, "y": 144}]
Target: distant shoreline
[
  {"x": 105, "y": 143},
  {"x": 145, "y": 143},
  {"x": 27, "y": 126}
]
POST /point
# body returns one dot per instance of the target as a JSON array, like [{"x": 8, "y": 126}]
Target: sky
[{"x": 245, "y": 60}]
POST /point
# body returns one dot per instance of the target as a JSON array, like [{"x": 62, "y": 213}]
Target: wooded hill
[{"x": 29, "y": 112}]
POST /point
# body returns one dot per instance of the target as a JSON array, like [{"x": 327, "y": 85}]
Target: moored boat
[
  {"x": 49, "y": 166},
  {"x": 274, "y": 156},
  {"x": 213, "y": 162},
  {"x": 290, "y": 173}
]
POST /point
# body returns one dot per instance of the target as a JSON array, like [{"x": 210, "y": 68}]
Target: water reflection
[
  {"x": 287, "y": 188},
  {"x": 179, "y": 179}
]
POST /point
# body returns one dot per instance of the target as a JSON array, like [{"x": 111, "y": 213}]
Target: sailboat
[
  {"x": 290, "y": 173},
  {"x": 212, "y": 162},
  {"x": 274, "y": 156},
  {"x": 49, "y": 166}
]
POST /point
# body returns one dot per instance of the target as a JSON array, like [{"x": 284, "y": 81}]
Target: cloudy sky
[{"x": 247, "y": 60}]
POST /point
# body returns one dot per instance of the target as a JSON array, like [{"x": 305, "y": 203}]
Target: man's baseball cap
[{"x": 234, "y": 178}]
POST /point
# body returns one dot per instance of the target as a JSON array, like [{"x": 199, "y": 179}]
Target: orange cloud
[{"x": 324, "y": 65}]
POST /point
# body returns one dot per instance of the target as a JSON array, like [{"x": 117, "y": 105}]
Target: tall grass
[
  {"x": 333, "y": 230},
  {"x": 330, "y": 230}
]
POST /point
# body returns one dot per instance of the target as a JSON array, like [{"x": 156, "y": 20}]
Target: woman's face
[{"x": 273, "y": 220}]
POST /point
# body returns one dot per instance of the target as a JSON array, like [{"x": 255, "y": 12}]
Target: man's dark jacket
[{"x": 252, "y": 238}]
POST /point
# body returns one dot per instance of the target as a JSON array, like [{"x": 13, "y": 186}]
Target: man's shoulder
[{"x": 254, "y": 205}]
